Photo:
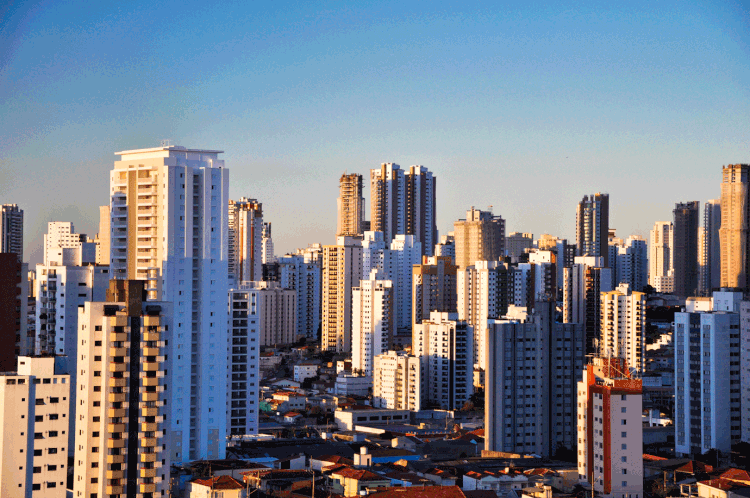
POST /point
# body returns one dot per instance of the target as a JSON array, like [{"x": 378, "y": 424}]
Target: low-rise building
[
  {"x": 352, "y": 385},
  {"x": 216, "y": 487},
  {"x": 305, "y": 371},
  {"x": 350, "y": 482}
]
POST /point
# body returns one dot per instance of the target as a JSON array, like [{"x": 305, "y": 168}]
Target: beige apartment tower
[
  {"x": 735, "y": 222},
  {"x": 480, "y": 237},
  {"x": 245, "y": 222},
  {"x": 342, "y": 271},
  {"x": 34, "y": 408},
  {"x": 433, "y": 287},
  {"x": 121, "y": 414},
  {"x": 351, "y": 206}
]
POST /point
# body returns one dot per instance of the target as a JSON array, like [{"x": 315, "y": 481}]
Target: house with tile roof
[
  {"x": 348, "y": 481},
  {"x": 216, "y": 487}
]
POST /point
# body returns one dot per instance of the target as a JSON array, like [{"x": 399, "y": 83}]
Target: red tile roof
[
  {"x": 220, "y": 482},
  {"x": 724, "y": 484},
  {"x": 420, "y": 492},
  {"x": 359, "y": 474},
  {"x": 736, "y": 475},
  {"x": 694, "y": 466},
  {"x": 652, "y": 458}
]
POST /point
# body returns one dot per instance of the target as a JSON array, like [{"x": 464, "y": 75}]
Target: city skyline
[{"x": 502, "y": 102}]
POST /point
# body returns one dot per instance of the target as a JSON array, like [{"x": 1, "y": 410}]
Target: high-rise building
[
  {"x": 446, "y": 247},
  {"x": 169, "y": 228},
  {"x": 628, "y": 260},
  {"x": 484, "y": 293},
  {"x": 267, "y": 245},
  {"x": 351, "y": 206},
  {"x": 516, "y": 244},
  {"x": 480, "y": 237},
  {"x": 342, "y": 271},
  {"x": 404, "y": 253},
  {"x": 582, "y": 288},
  {"x": 276, "y": 312},
  {"x": 623, "y": 326},
  {"x": 528, "y": 400},
  {"x": 245, "y": 221},
  {"x": 685, "y": 248},
  {"x": 444, "y": 345},
  {"x": 735, "y": 225},
  {"x": 13, "y": 333},
  {"x": 396, "y": 381},
  {"x": 420, "y": 208},
  {"x": 660, "y": 257},
  {"x": 243, "y": 351},
  {"x": 707, "y": 377},
  {"x": 34, "y": 411},
  {"x": 433, "y": 287},
  {"x": 610, "y": 429},
  {"x": 403, "y": 202},
  {"x": 592, "y": 226},
  {"x": 302, "y": 274},
  {"x": 61, "y": 235},
  {"x": 11, "y": 229},
  {"x": 745, "y": 369},
  {"x": 121, "y": 418},
  {"x": 373, "y": 321},
  {"x": 709, "y": 251},
  {"x": 102, "y": 238},
  {"x": 517, "y": 378}
]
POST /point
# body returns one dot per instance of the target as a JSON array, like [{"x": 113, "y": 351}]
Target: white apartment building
[
  {"x": 267, "y": 245},
  {"x": 623, "y": 326},
  {"x": 245, "y": 258},
  {"x": 121, "y": 418},
  {"x": 707, "y": 378},
  {"x": 483, "y": 294},
  {"x": 397, "y": 382},
  {"x": 169, "y": 227},
  {"x": 445, "y": 347},
  {"x": 660, "y": 257},
  {"x": 302, "y": 274},
  {"x": 34, "y": 408},
  {"x": 11, "y": 229},
  {"x": 342, "y": 271},
  {"x": 61, "y": 235},
  {"x": 628, "y": 260},
  {"x": 305, "y": 371},
  {"x": 517, "y": 381},
  {"x": 352, "y": 385},
  {"x": 404, "y": 253},
  {"x": 60, "y": 292},
  {"x": 373, "y": 321},
  {"x": 610, "y": 429},
  {"x": 446, "y": 247},
  {"x": 243, "y": 351}
]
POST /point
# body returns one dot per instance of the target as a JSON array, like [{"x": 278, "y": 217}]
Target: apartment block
[
  {"x": 169, "y": 227},
  {"x": 445, "y": 347},
  {"x": 342, "y": 271},
  {"x": 628, "y": 260},
  {"x": 733, "y": 234},
  {"x": 245, "y": 225},
  {"x": 302, "y": 274},
  {"x": 275, "y": 311},
  {"x": 11, "y": 229},
  {"x": 592, "y": 227},
  {"x": 34, "y": 407},
  {"x": 103, "y": 247},
  {"x": 121, "y": 436},
  {"x": 479, "y": 237},
  {"x": 517, "y": 243},
  {"x": 243, "y": 351},
  {"x": 13, "y": 303},
  {"x": 709, "y": 250},
  {"x": 685, "y": 248},
  {"x": 373, "y": 321},
  {"x": 623, "y": 326},
  {"x": 610, "y": 429},
  {"x": 660, "y": 257},
  {"x": 396, "y": 381},
  {"x": 707, "y": 377},
  {"x": 582, "y": 288},
  {"x": 484, "y": 293},
  {"x": 351, "y": 206},
  {"x": 433, "y": 287}
]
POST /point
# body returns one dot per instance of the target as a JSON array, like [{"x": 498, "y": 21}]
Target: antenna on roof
[{"x": 166, "y": 142}]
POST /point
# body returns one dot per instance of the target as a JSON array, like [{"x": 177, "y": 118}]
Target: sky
[{"x": 523, "y": 106}]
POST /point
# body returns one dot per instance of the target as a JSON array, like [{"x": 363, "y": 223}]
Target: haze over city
[{"x": 522, "y": 106}]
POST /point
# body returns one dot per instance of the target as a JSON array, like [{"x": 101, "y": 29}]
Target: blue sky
[{"x": 525, "y": 106}]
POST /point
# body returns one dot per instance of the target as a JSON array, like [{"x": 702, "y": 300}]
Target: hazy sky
[{"x": 525, "y": 106}]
